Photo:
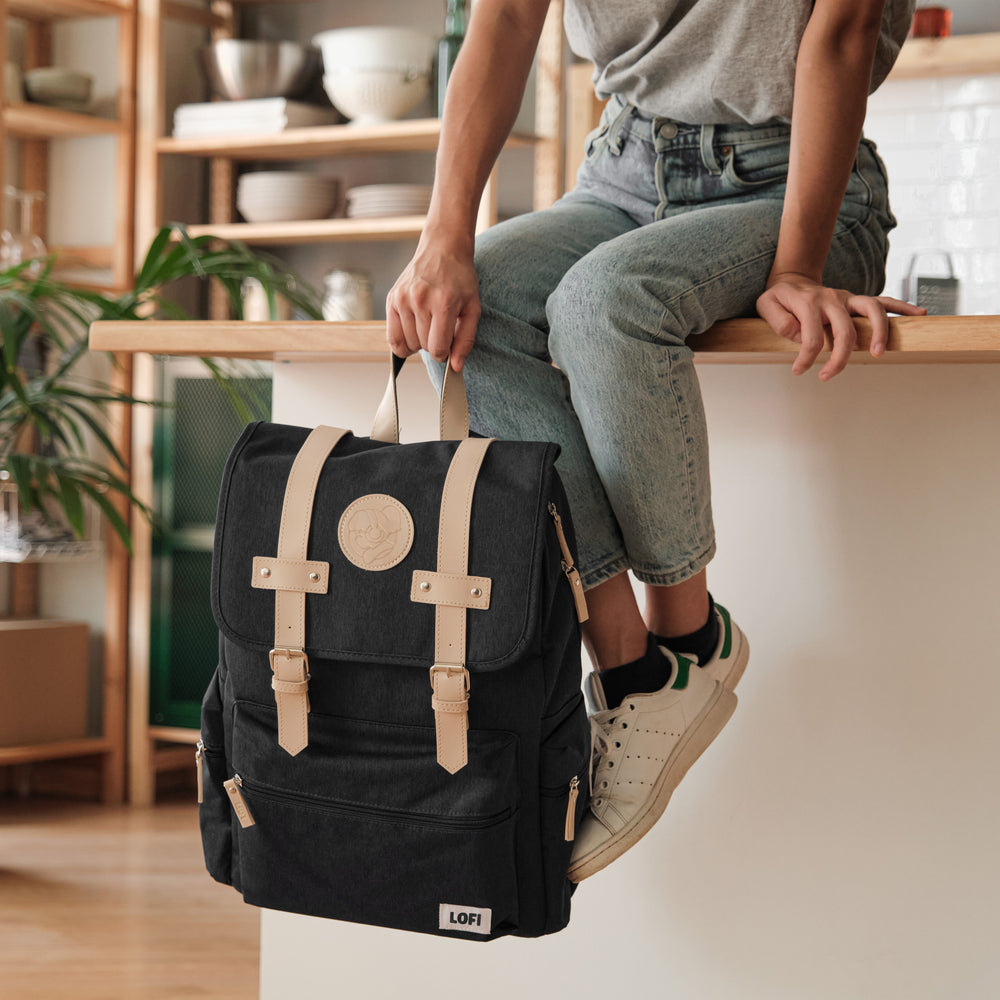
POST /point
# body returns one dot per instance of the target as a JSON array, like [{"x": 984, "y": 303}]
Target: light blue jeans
[{"x": 670, "y": 228}]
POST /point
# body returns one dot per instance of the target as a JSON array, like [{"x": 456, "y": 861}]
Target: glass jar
[{"x": 347, "y": 296}]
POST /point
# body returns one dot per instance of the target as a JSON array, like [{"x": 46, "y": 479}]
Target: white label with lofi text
[{"x": 470, "y": 919}]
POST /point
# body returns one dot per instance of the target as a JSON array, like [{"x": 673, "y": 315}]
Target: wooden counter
[{"x": 912, "y": 339}]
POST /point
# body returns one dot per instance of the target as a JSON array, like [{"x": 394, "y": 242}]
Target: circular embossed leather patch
[{"x": 376, "y": 532}]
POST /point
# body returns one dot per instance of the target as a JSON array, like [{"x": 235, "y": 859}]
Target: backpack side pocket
[
  {"x": 563, "y": 796},
  {"x": 214, "y": 812}
]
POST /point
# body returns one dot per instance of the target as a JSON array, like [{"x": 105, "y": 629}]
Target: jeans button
[{"x": 668, "y": 130}]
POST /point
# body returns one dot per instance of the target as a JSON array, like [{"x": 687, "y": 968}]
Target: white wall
[
  {"x": 940, "y": 140},
  {"x": 838, "y": 842}
]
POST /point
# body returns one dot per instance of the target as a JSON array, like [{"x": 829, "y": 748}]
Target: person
[{"x": 728, "y": 175}]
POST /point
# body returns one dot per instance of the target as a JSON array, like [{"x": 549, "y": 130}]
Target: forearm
[
  {"x": 483, "y": 99},
  {"x": 831, "y": 91}
]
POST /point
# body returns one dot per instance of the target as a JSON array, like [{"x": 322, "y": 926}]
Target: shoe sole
[{"x": 707, "y": 726}]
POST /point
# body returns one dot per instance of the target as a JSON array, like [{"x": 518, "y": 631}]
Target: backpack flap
[{"x": 375, "y": 521}]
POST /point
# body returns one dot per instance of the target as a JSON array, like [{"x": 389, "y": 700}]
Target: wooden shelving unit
[
  {"x": 34, "y": 121},
  {"x": 28, "y": 130},
  {"x": 419, "y": 135}
]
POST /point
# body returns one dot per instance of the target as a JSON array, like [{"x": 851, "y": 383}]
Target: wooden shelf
[
  {"x": 53, "y": 751},
  {"x": 959, "y": 55},
  {"x": 36, "y": 121},
  {"x": 315, "y": 231},
  {"x": 54, "y": 10},
  {"x": 912, "y": 339},
  {"x": 417, "y": 136},
  {"x": 174, "y": 734}
]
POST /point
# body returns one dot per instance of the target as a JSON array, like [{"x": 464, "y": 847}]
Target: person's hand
[
  {"x": 434, "y": 304},
  {"x": 805, "y": 312}
]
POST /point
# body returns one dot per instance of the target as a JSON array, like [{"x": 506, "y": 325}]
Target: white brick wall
[{"x": 940, "y": 140}]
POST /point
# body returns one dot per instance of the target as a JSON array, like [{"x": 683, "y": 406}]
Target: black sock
[
  {"x": 701, "y": 643},
  {"x": 649, "y": 673}
]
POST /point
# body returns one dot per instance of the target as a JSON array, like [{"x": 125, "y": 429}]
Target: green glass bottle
[{"x": 448, "y": 46}]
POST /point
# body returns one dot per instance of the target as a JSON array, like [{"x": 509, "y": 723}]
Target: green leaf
[
  {"x": 111, "y": 514},
  {"x": 72, "y": 504}
]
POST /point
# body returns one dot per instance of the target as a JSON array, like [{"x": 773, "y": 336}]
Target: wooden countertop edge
[{"x": 912, "y": 339}]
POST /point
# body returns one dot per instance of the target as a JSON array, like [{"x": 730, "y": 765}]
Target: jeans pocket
[{"x": 752, "y": 165}]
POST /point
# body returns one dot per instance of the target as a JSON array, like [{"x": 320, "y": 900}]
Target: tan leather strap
[
  {"x": 449, "y": 678},
  {"x": 454, "y": 414},
  {"x": 311, "y": 576},
  {"x": 442, "y": 588},
  {"x": 289, "y": 661}
]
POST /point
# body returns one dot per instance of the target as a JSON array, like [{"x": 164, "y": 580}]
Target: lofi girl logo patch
[{"x": 376, "y": 532}]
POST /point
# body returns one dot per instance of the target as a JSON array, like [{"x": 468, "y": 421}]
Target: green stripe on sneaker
[
  {"x": 727, "y": 632},
  {"x": 683, "y": 673}
]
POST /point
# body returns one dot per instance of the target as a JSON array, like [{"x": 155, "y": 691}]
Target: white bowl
[
  {"x": 374, "y": 96},
  {"x": 56, "y": 85},
  {"x": 285, "y": 196},
  {"x": 376, "y": 48},
  {"x": 254, "y": 211}
]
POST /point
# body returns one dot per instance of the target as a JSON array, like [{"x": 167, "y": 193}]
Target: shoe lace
[{"x": 601, "y": 724}]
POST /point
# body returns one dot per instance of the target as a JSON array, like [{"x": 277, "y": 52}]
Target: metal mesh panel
[
  {"x": 205, "y": 427},
  {"x": 193, "y": 438},
  {"x": 193, "y": 636}
]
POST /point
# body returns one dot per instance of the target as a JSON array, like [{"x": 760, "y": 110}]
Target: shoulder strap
[
  {"x": 291, "y": 576},
  {"x": 453, "y": 592}
]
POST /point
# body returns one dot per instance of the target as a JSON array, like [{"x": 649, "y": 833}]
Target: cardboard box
[{"x": 44, "y": 678}]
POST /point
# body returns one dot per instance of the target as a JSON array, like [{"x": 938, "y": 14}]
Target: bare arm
[
  {"x": 833, "y": 71},
  {"x": 435, "y": 301}
]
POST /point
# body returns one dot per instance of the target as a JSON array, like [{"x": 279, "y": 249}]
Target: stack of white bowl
[
  {"x": 285, "y": 196},
  {"x": 377, "y": 74}
]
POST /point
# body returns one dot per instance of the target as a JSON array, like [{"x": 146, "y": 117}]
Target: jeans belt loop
[
  {"x": 614, "y": 133},
  {"x": 708, "y": 156}
]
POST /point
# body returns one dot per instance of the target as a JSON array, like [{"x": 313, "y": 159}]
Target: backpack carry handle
[{"x": 454, "y": 414}]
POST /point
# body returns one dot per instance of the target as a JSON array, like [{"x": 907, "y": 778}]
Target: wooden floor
[{"x": 100, "y": 903}]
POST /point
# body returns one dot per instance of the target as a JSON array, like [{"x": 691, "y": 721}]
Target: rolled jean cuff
[
  {"x": 611, "y": 567},
  {"x": 671, "y": 578}
]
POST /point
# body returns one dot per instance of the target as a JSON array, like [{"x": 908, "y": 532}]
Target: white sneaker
[
  {"x": 731, "y": 655},
  {"x": 643, "y": 748}
]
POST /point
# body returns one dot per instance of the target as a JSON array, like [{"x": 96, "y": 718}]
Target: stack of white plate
[
  {"x": 373, "y": 200},
  {"x": 285, "y": 196}
]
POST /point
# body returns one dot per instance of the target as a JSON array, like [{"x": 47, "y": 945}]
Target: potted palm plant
[{"x": 56, "y": 451}]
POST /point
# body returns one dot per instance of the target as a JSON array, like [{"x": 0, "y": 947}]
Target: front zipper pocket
[
  {"x": 241, "y": 785},
  {"x": 364, "y": 825}
]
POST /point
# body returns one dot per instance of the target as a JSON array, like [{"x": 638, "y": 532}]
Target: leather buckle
[
  {"x": 448, "y": 671},
  {"x": 290, "y": 654}
]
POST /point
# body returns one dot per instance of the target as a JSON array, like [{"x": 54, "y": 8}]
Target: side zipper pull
[
  {"x": 574, "y": 791},
  {"x": 239, "y": 804},
  {"x": 199, "y": 753},
  {"x": 572, "y": 574}
]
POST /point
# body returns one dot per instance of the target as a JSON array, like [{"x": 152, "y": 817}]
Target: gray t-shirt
[{"x": 708, "y": 61}]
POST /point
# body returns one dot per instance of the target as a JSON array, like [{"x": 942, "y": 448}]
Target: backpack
[{"x": 395, "y": 733}]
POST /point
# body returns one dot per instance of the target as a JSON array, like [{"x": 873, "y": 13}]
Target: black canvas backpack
[{"x": 395, "y": 733}]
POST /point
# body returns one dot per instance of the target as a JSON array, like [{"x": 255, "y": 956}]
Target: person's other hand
[
  {"x": 805, "y": 312},
  {"x": 434, "y": 305}
]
